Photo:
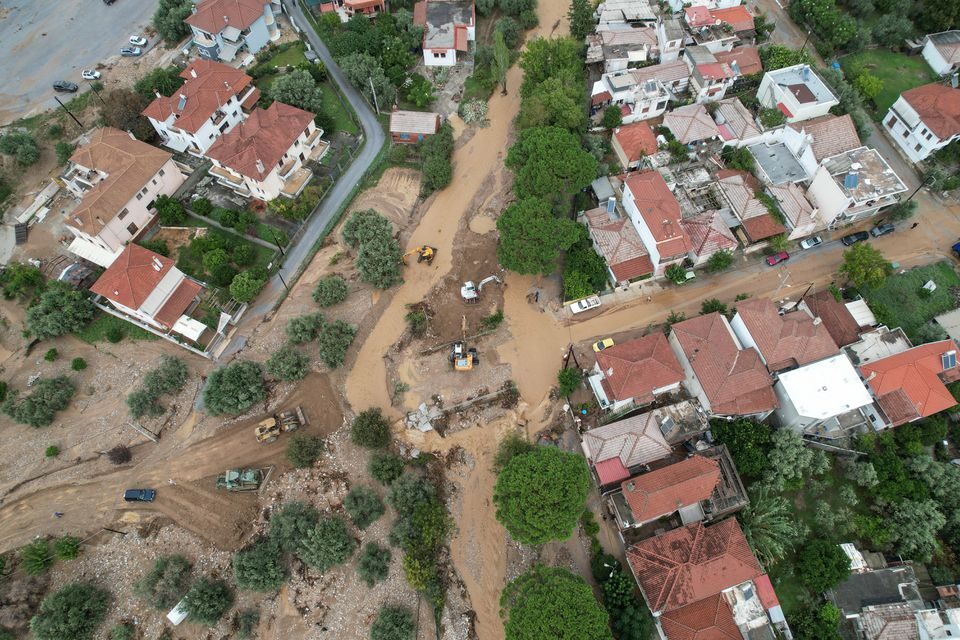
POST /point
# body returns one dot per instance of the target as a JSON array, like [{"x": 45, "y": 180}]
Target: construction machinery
[
  {"x": 471, "y": 292},
  {"x": 462, "y": 357},
  {"x": 424, "y": 254},
  {"x": 242, "y": 479},
  {"x": 270, "y": 428}
]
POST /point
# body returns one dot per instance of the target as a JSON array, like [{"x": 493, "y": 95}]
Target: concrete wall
[
  {"x": 440, "y": 57},
  {"x": 936, "y": 61},
  {"x": 826, "y": 195},
  {"x": 743, "y": 335}
]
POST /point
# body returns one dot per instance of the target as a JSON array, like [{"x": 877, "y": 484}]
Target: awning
[
  {"x": 93, "y": 253},
  {"x": 784, "y": 110},
  {"x": 189, "y": 328},
  {"x": 861, "y": 313}
]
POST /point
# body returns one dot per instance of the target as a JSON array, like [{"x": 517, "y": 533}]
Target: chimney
[
  {"x": 130, "y": 133},
  {"x": 193, "y": 72},
  {"x": 226, "y": 20},
  {"x": 116, "y": 293},
  {"x": 260, "y": 167},
  {"x": 158, "y": 94},
  {"x": 817, "y": 321}
]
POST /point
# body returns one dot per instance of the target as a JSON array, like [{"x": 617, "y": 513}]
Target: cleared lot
[{"x": 41, "y": 42}]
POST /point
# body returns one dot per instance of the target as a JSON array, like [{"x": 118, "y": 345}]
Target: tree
[
  {"x": 334, "y": 340},
  {"x": 501, "y": 61},
  {"x": 303, "y": 451},
  {"x": 122, "y": 631},
  {"x": 576, "y": 285},
  {"x": 246, "y": 286},
  {"x": 385, "y": 467},
  {"x": 123, "y": 109},
  {"x": 393, "y": 623},
  {"x": 740, "y": 159},
  {"x": 822, "y": 565},
  {"x": 554, "y": 103},
  {"x": 581, "y": 19},
  {"x": 72, "y": 613},
  {"x": 370, "y": 429},
  {"x": 612, "y": 116},
  {"x": 234, "y": 388},
  {"x": 21, "y": 146},
  {"x": 748, "y": 442},
  {"x": 410, "y": 492},
  {"x": 364, "y": 506},
  {"x": 299, "y": 89},
  {"x": 378, "y": 261},
  {"x": 769, "y": 525},
  {"x": 549, "y": 163},
  {"x": 304, "y": 328},
  {"x": 259, "y": 567},
  {"x": 419, "y": 91},
  {"x": 771, "y": 118},
  {"x": 902, "y": 210},
  {"x": 119, "y": 454},
  {"x": 435, "y": 154},
  {"x": 169, "y": 19},
  {"x": 66, "y": 548},
  {"x": 865, "y": 266},
  {"x": 373, "y": 565},
  {"x": 63, "y": 150},
  {"x": 290, "y": 524},
  {"x": 141, "y": 403},
  {"x": 207, "y": 601},
  {"x": 582, "y": 258},
  {"x": 365, "y": 225},
  {"x": 516, "y": 7},
  {"x": 165, "y": 583},
  {"x": 816, "y": 624},
  {"x": 38, "y": 409},
  {"x": 36, "y": 557},
  {"x": 513, "y": 444},
  {"x": 676, "y": 273},
  {"x": 365, "y": 73},
  {"x": 790, "y": 461},
  {"x": 551, "y": 58},
  {"x": 868, "y": 85},
  {"x": 914, "y": 526},
  {"x": 531, "y": 238},
  {"x": 712, "y": 305},
  {"x": 327, "y": 544},
  {"x": 720, "y": 261},
  {"x": 569, "y": 381},
  {"x": 330, "y": 290},
  {"x": 172, "y": 214},
  {"x": 287, "y": 363},
  {"x": 62, "y": 308},
  {"x": 163, "y": 80},
  {"x": 540, "y": 495},
  {"x": 552, "y": 603},
  {"x": 510, "y": 30}
]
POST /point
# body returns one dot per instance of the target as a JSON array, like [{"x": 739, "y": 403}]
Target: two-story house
[
  {"x": 635, "y": 372},
  {"x": 264, "y": 156},
  {"x": 655, "y": 214},
  {"x": 670, "y": 37},
  {"x": 214, "y": 99},
  {"x": 924, "y": 120},
  {"x": 709, "y": 78},
  {"x": 619, "y": 46},
  {"x": 449, "y": 26},
  {"x": 852, "y": 186},
  {"x": 117, "y": 179},
  {"x": 942, "y": 52},
  {"x": 797, "y": 91},
  {"x": 224, "y": 28}
]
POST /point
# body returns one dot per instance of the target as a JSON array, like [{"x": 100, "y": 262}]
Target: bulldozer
[
  {"x": 242, "y": 479},
  {"x": 269, "y": 429},
  {"x": 463, "y": 358},
  {"x": 470, "y": 292},
  {"x": 424, "y": 254}
]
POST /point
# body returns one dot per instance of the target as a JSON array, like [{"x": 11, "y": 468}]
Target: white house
[
  {"x": 644, "y": 99},
  {"x": 117, "y": 179},
  {"x": 709, "y": 78},
  {"x": 670, "y": 37},
  {"x": 924, "y": 120},
  {"x": 942, "y": 52},
  {"x": 784, "y": 341},
  {"x": 449, "y": 26},
  {"x": 655, "y": 214},
  {"x": 264, "y": 156},
  {"x": 620, "y": 46},
  {"x": 853, "y": 185},
  {"x": 224, "y": 28},
  {"x": 214, "y": 99},
  {"x": 797, "y": 91},
  {"x": 813, "y": 397}
]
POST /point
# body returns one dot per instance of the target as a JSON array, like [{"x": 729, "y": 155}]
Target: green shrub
[
  {"x": 303, "y": 451},
  {"x": 78, "y": 364},
  {"x": 61, "y": 308},
  {"x": 202, "y": 206},
  {"x": 35, "y": 558},
  {"x": 513, "y": 444},
  {"x": 52, "y": 451},
  {"x": 123, "y": 631},
  {"x": 50, "y": 355},
  {"x": 370, "y": 429},
  {"x": 304, "y": 328},
  {"x": 166, "y": 582},
  {"x": 38, "y": 409},
  {"x": 393, "y": 623},
  {"x": 373, "y": 565},
  {"x": 63, "y": 150},
  {"x": 246, "y": 286},
  {"x": 72, "y": 613},
  {"x": 66, "y": 548},
  {"x": 333, "y": 341},
  {"x": 569, "y": 381},
  {"x": 330, "y": 290},
  {"x": 207, "y": 601},
  {"x": 385, "y": 467},
  {"x": 417, "y": 322},
  {"x": 234, "y": 388},
  {"x": 114, "y": 334},
  {"x": 291, "y": 522},
  {"x": 287, "y": 363},
  {"x": 364, "y": 506},
  {"x": 246, "y": 623},
  {"x": 327, "y": 544},
  {"x": 259, "y": 567}
]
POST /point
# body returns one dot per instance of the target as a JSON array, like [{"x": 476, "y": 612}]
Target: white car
[
  {"x": 90, "y": 74},
  {"x": 811, "y": 242},
  {"x": 591, "y": 302},
  {"x": 138, "y": 41}
]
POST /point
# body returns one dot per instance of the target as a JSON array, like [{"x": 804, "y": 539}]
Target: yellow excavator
[{"x": 424, "y": 254}]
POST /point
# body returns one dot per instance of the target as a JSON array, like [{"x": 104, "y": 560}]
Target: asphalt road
[{"x": 49, "y": 40}]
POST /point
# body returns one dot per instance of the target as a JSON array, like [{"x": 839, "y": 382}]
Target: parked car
[
  {"x": 854, "y": 238},
  {"x": 777, "y": 258},
  {"x": 811, "y": 242},
  {"x": 63, "y": 85},
  {"x": 130, "y": 52},
  {"x": 108, "y": 2},
  {"x": 602, "y": 344},
  {"x": 139, "y": 495},
  {"x": 138, "y": 41},
  {"x": 590, "y": 302},
  {"x": 90, "y": 74},
  {"x": 882, "y": 229}
]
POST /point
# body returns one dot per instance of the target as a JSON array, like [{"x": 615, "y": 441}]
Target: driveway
[{"x": 41, "y": 42}]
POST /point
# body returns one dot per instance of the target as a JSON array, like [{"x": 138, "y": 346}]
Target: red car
[{"x": 777, "y": 258}]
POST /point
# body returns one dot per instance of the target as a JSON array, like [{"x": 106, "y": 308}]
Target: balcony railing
[{"x": 203, "y": 40}]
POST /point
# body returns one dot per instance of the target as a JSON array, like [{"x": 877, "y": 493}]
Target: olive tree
[{"x": 234, "y": 388}]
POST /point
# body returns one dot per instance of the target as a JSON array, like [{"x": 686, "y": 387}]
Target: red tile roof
[
  {"x": 619, "y": 244},
  {"x": 178, "y": 302},
  {"x": 747, "y": 59},
  {"x": 838, "y": 320},
  {"x": 707, "y": 619},
  {"x": 709, "y": 234},
  {"x": 266, "y": 135},
  {"x": 916, "y": 373},
  {"x": 660, "y": 212},
  {"x": 611, "y": 470},
  {"x": 634, "y": 369},
  {"x": 213, "y": 86},
  {"x": 668, "y": 489},
  {"x": 600, "y": 98},
  {"x": 790, "y": 340},
  {"x": 734, "y": 380},
  {"x": 636, "y": 140},
  {"x": 213, "y": 15},
  {"x": 691, "y": 123},
  {"x": 831, "y": 134},
  {"x": 768, "y": 597},
  {"x": 697, "y": 17},
  {"x": 762, "y": 227},
  {"x": 133, "y": 276},
  {"x": 938, "y": 107},
  {"x": 691, "y": 563},
  {"x": 737, "y": 17}
]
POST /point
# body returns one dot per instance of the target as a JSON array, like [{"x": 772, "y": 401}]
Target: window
[
  {"x": 661, "y": 105},
  {"x": 929, "y": 136},
  {"x": 949, "y": 360},
  {"x": 144, "y": 190},
  {"x": 917, "y": 148},
  {"x": 906, "y": 133},
  {"x": 139, "y": 196},
  {"x": 123, "y": 213},
  {"x": 892, "y": 121},
  {"x": 132, "y": 229},
  {"x": 153, "y": 181},
  {"x": 160, "y": 173}
]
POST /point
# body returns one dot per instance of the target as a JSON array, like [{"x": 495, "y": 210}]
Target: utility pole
[
  {"x": 373, "y": 89},
  {"x": 96, "y": 93},
  {"x": 68, "y": 112},
  {"x": 276, "y": 242},
  {"x": 282, "y": 281},
  {"x": 926, "y": 181}
]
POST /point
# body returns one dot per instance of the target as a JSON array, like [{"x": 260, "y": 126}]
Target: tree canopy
[
  {"x": 207, "y": 601},
  {"x": 299, "y": 89},
  {"x": 748, "y": 442},
  {"x": 169, "y": 19},
  {"x": 234, "y": 388},
  {"x": 864, "y": 265},
  {"x": 327, "y": 544},
  {"x": 62, "y": 308},
  {"x": 548, "y": 603},
  {"x": 531, "y": 237},
  {"x": 822, "y": 565},
  {"x": 550, "y": 164},
  {"x": 72, "y": 613},
  {"x": 581, "y": 19},
  {"x": 47, "y": 396},
  {"x": 545, "y": 58},
  {"x": 259, "y": 567}
]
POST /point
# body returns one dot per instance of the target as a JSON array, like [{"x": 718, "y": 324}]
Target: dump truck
[
  {"x": 269, "y": 429},
  {"x": 242, "y": 479}
]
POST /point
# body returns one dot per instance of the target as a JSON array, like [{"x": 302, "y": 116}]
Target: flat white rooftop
[{"x": 826, "y": 388}]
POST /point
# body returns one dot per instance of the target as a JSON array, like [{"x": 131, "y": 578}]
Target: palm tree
[{"x": 768, "y": 525}]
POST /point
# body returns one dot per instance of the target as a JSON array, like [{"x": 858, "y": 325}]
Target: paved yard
[{"x": 45, "y": 41}]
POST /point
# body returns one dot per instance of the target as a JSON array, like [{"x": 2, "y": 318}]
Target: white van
[{"x": 585, "y": 304}]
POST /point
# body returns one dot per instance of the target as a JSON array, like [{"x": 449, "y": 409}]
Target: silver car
[
  {"x": 131, "y": 52},
  {"x": 811, "y": 242}
]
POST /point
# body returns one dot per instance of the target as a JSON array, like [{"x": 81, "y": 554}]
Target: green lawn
[
  {"x": 341, "y": 117},
  {"x": 897, "y": 71},
  {"x": 291, "y": 57},
  {"x": 898, "y": 304},
  {"x": 97, "y": 330}
]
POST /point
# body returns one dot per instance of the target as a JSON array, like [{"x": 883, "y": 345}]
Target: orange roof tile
[
  {"x": 133, "y": 276},
  {"x": 213, "y": 86},
  {"x": 213, "y": 16},
  {"x": 737, "y": 17},
  {"x": 691, "y": 563},
  {"x": 668, "y": 489},
  {"x": 768, "y": 597},
  {"x": 734, "y": 380},
  {"x": 636, "y": 368},
  {"x": 660, "y": 212},
  {"x": 636, "y": 140},
  {"x": 709, "y": 234},
  {"x": 838, "y": 320},
  {"x": 917, "y": 373},
  {"x": 747, "y": 59},
  {"x": 178, "y": 302},
  {"x": 762, "y": 227},
  {"x": 938, "y": 107},
  {"x": 266, "y": 135},
  {"x": 691, "y": 123},
  {"x": 785, "y": 341},
  {"x": 707, "y": 619}
]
